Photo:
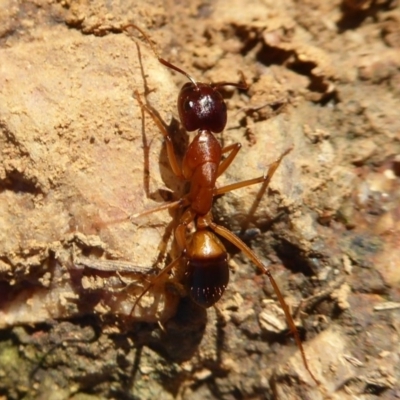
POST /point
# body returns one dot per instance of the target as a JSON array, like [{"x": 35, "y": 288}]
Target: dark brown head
[{"x": 201, "y": 106}]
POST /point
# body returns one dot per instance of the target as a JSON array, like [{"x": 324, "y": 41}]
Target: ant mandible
[{"x": 201, "y": 107}]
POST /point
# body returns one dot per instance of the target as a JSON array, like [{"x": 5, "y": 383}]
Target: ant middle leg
[{"x": 234, "y": 150}]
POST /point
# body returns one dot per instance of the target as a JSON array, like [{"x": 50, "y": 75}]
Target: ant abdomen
[
  {"x": 207, "y": 273},
  {"x": 201, "y": 106}
]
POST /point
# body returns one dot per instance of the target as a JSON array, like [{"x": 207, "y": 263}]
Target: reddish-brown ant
[{"x": 201, "y": 107}]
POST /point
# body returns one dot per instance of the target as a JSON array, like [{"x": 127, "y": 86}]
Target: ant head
[{"x": 201, "y": 106}]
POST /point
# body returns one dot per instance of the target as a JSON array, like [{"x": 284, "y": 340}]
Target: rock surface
[{"x": 79, "y": 157}]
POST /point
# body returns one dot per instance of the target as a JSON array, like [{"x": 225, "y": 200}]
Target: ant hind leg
[{"x": 232, "y": 238}]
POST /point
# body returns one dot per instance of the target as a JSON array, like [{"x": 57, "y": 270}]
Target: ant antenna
[
  {"x": 242, "y": 84},
  {"x": 160, "y": 59}
]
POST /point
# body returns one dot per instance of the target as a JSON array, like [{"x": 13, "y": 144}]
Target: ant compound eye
[{"x": 188, "y": 105}]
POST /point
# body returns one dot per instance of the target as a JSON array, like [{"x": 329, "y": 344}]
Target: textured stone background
[{"x": 78, "y": 157}]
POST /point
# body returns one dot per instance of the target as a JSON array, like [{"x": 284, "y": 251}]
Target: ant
[{"x": 202, "y": 108}]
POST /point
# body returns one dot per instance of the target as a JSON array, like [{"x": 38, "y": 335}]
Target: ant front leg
[
  {"x": 234, "y": 150},
  {"x": 168, "y": 141},
  {"x": 265, "y": 179}
]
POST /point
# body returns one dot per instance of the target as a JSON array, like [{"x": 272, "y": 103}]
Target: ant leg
[
  {"x": 183, "y": 202},
  {"x": 150, "y": 284},
  {"x": 266, "y": 178},
  {"x": 231, "y": 237},
  {"x": 180, "y": 236},
  {"x": 180, "y": 232},
  {"x": 233, "y": 149},
  {"x": 168, "y": 141}
]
